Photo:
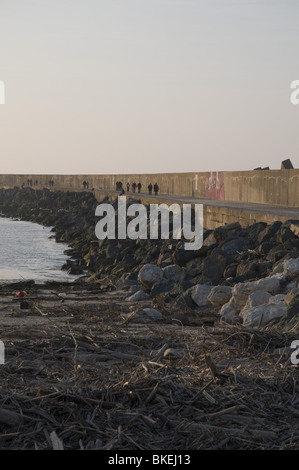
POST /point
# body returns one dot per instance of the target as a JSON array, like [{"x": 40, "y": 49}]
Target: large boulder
[
  {"x": 220, "y": 295},
  {"x": 241, "y": 291},
  {"x": 174, "y": 272},
  {"x": 264, "y": 313},
  {"x": 214, "y": 266},
  {"x": 200, "y": 293},
  {"x": 291, "y": 266},
  {"x": 149, "y": 274},
  {"x": 256, "y": 298}
]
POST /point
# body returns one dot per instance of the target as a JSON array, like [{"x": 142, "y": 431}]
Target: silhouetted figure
[
  {"x": 156, "y": 188},
  {"x": 139, "y": 187},
  {"x": 150, "y": 188}
]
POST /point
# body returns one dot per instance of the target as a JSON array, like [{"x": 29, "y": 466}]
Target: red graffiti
[{"x": 214, "y": 185}]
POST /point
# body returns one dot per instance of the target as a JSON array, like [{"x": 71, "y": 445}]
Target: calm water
[{"x": 27, "y": 252}]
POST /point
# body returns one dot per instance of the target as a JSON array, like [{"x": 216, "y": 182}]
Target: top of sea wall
[{"x": 275, "y": 187}]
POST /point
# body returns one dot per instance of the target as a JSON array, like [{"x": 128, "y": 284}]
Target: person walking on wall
[
  {"x": 150, "y": 188},
  {"x": 156, "y": 188}
]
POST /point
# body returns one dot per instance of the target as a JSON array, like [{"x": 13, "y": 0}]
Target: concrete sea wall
[
  {"x": 278, "y": 188},
  {"x": 274, "y": 187}
]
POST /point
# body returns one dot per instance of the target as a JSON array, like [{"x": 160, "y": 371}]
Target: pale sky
[{"x": 146, "y": 86}]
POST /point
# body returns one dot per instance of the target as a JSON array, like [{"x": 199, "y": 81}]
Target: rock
[
  {"x": 75, "y": 270},
  {"x": 228, "y": 310},
  {"x": 258, "y": 297},
  {"x": 137, "y": 296},
  {"x": 149, "y": 274},
  {"x": 145, "y": 315},
  {"x": 242, "y": 290},
  {"x": 165, "y": 285},
  {"x": 194, "y": 267},
  {"x": 220, "y": 295},
  {"x": 276, "y": 299},
  {"x": 174, "y": 272},
  {"x": 200, "y": 293},
  {"x": 295, "y": 228},
  {"x": 214, "y": 266},
  {"x": 291, "y": 266},
  {"x": 230, "y": 270},
  {"x": 264, "y": 313},
  {"x": 269, "y": 232},
  {"x": 239, "y": 244}
]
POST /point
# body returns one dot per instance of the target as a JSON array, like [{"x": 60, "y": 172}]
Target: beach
[{"x": 79, "y": 374}]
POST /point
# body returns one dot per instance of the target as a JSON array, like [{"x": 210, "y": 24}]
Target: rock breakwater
[{"x": 247, "y": 275}]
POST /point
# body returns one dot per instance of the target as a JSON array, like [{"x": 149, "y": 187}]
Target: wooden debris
[{"x": 76, "y": 377}]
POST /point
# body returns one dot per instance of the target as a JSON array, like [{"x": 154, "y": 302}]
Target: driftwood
[{"x": 83, "y": 379}]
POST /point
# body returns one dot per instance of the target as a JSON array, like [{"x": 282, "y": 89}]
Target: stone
[
  {"x": 174, "y": 272},
  {"x": 194, "y": 267},
  {"x": 270, "y": 284},
  {"x": 286, "y": 165},
  {"x": 160, "y": 287},
  {"x": 220, "y": 295},
  {"x": 145, "y": 315},
  {"x": 242, "y": 290},
  {"x": 291, "y": 316},
  {"x": 214, "y": 266},
  {"x": 291, "y": 266},
  {"x": 239, "y": 244},
  {"x": 200, "y": 293},
  {"x": 149, "y": 274},
  {"x": 151, "y": 314},
  {"x": 258, "y": 297},
  {"x": 264, "y": 313},
  {"x": 295, "y": 228},
  {"x": 276, "y": 299},
  {"x": 228, "y": 310},
  {"x": 269, "y": 232},
  {"x": 137, "y": 296}
]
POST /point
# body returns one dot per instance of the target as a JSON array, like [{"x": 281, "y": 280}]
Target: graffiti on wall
[{"x": 214, "y": 188}]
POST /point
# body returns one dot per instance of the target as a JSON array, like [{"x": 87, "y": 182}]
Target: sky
[{"x": 147, "y": 86}]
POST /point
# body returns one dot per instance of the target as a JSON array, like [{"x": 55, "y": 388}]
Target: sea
[{"x": 28, "y": 251}]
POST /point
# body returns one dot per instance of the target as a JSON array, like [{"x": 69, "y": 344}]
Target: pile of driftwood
[{"x": 95, "y": 381}]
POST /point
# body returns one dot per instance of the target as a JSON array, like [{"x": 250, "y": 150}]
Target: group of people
[
  {"x": 150, "y": 188},
  {"x": 119, "y": 187},
  {"x": 31, "y": 183}
]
